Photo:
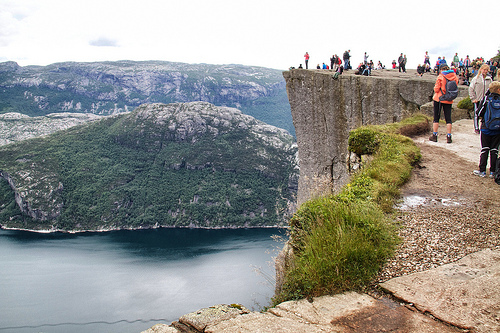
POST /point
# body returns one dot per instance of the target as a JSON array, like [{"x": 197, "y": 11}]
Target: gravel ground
[{"x": 447, "y": 212}]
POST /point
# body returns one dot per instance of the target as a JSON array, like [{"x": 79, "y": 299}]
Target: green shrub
[
  {"x": 364, "y": 141},
  {"x": 340, "y": 241},
  {"x": 465, "y": 104},
  {"x": 338, "y": 246}
]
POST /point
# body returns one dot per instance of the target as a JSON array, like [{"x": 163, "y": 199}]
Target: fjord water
[{"x": 127, "y": 281}]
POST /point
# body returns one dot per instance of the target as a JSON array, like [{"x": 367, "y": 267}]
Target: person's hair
[
  {"x": 494, "y": 87},
  {"x": 485, "y": 66},
  {"x": 444, "y": 67}
]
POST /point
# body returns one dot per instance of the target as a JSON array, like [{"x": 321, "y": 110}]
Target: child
[{"x": 490, "y": 139}]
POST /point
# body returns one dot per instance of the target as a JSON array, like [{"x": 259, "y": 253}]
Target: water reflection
[{"x": 128, "y": 277}]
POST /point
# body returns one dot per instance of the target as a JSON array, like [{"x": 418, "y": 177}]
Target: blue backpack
[
  {"x": 451, "y": 91},
  {"x": 492, "y": 113}
]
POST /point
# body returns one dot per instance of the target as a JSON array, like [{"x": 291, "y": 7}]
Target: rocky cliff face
[
  {"x": 105, "y": 88},
  {"x": 325, "y": 109},
  {"x": 16, "y": 126}
]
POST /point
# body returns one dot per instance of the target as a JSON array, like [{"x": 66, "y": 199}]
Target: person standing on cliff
[
  {"x": 427, "y": 59},
  {"x": 347, "y": 63},
  {"x": 439, "y": 103},
  {"x": 479, "y": 85},
  {"x": 490, "y": 138},
  {"x": 456, "y": 60},
  {"x": 467, "y": 63},
  {"x": 400, "y": 62},
  {"x": 306, "y": 57}
]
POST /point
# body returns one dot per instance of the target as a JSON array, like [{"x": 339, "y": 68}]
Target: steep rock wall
[{"x": 325, "y": 110}]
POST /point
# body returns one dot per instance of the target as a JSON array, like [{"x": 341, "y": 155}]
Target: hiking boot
[
  {"x": 479, "y": 173},
  {"x": 492, "y": 175},
  {"x": 433, "y": 138},
  {"x": 448, "y": 139}
]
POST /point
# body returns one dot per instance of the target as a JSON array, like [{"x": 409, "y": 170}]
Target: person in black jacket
[
  {"x": 420, "y": 70},
  {"x": 490, "y": 139}
]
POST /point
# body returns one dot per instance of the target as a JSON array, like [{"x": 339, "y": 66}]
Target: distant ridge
[{"x": 112, "y": 87}]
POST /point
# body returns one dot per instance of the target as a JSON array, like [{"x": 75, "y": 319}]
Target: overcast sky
[{"x": 268, "y": 33}]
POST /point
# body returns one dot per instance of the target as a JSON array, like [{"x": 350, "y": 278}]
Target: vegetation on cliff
[
  {"x": 340, "y": 241},
  {"x": 176, "y": 165}
]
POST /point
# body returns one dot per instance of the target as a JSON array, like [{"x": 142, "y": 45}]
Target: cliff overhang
[{"x": 325, "y": 109}]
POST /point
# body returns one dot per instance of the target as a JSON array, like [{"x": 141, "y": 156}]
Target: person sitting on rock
[
  {"x": 420, "y": 70},
  {"x": 436, "y": 67},
  {"x": 360, "y": 69},
  {"x": 367, "y": 71},
  {"x": 340, "y": 69}
]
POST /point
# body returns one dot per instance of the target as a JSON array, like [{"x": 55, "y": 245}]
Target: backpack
[
  {"x": 492, "y": 113},
  {"x": 451, "y": 91}
]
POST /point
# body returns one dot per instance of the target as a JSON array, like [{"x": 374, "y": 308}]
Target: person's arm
[
  {"x": 477, "y": 111},
  {"x": 438, "y": 84},
  {"x": 472, "y": 92},
  {"x": 480, "y": 109},
  {"x": 483, "y": 104}
]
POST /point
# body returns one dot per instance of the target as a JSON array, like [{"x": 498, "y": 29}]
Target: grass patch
[{"x": 340, "y": 241}]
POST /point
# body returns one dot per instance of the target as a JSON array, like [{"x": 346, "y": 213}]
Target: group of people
[
  {"x": 466, "y": 68},
  {"x": 483, "y": 79},
  {"x": 484, "y": 92},
  {"x": 338, "y": 64},
  {"x": 401, "y": 64}
]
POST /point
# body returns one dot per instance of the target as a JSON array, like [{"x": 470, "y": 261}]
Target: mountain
[
  {"x": 17, "y": 126},
  {"x": 105, "y": 88},
  {"x": 176, "y": 165}
]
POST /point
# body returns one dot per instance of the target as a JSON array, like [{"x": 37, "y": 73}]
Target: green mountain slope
[
  {"x": 177, "y": 165},
  {"x": 105, "y": 88}
]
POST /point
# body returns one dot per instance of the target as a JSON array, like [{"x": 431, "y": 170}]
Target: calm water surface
[{"x": 127, "y": 281}]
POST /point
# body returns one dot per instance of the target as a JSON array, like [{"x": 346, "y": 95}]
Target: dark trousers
[
  {"x": 489, "y": 147},
  {"x": 446, "y": 109}
]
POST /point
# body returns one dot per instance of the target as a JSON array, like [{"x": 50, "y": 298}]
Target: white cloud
[
  {"x": 103, "y": 41},
  {"x": 270, "y": 33}
]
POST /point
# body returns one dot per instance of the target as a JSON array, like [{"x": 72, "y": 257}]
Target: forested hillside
[{"x": 179, "y": 165}]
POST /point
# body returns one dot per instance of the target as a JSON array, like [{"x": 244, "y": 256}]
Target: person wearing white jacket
[{"x": 479, "y": 85}]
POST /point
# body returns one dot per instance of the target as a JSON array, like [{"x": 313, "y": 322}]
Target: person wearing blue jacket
[{"x": 490, "y": 139}]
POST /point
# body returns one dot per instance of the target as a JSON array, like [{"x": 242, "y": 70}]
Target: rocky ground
[{"x": 447, "y": 212}]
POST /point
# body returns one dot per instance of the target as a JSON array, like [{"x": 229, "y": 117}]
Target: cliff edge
[{"x": 325, "y": 110}]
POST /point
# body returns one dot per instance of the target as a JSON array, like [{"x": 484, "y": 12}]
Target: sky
[{"x": 268, "y": 33}]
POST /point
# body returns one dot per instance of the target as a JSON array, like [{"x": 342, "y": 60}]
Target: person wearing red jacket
[{"x": 439, "y": 90}]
